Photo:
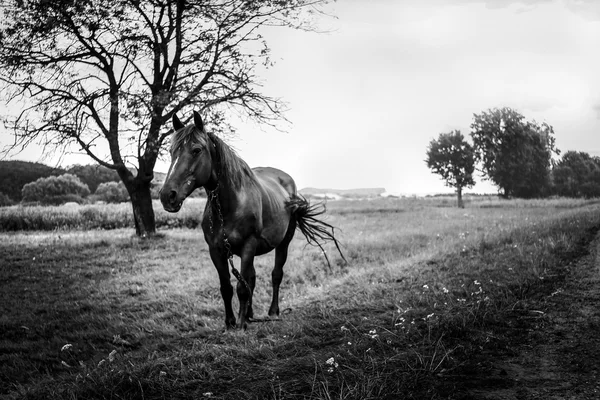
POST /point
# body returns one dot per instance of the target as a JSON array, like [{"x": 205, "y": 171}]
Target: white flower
[
  {"x": 332, "y": 364},
  {"x": 66, "y": 347},
  {"x": 445, "y": 290}
]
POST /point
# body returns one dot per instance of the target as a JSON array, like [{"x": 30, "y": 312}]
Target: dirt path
[{"x": 553, "y": 351}]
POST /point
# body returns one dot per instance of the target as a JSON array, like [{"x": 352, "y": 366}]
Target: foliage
[
  {"x": 15, "y": 174},
  {"x": 93, "y": 175},
  {"x": 577, "y": 174},
  {"x": 453, "y": 158},
  {"x": 515, "y": 154},
  {"x": 113, "y": 73},
  {"x": 49, "y": 190},
  {"x": 5, "y": 200},
  {"x": 112, "y": 192}
]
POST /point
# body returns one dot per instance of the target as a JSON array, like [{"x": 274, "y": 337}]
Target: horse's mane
[{"x": 231, "y": 166}]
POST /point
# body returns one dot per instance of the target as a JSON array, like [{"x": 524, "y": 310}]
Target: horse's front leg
[
  {"x": 220, "y": 262},
  {"x": 249, "y": 274}
]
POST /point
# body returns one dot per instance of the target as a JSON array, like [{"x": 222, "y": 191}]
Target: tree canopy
[
  {"x": 515, "y": 154},
  {"x": 453, "y": 158},
  {"x": 111, "y": 74},
  {"x": 55, "y": 189},
  {"x": 577, "y": 174}
]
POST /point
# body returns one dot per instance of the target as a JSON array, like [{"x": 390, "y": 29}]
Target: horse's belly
[
  {"x": 263, "y": 247},
  {"x": 273, "y": 233}
]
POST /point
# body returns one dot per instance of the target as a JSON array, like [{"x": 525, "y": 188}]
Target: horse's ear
[
  {"x": 198, "y": 121},
  {"x": 177, "y": 123}
]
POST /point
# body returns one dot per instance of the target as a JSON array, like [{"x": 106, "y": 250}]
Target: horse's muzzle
[{"x": 170, "y": 201}]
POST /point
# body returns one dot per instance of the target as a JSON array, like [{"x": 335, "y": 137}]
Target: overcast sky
[{"x": 366, "y": 98}]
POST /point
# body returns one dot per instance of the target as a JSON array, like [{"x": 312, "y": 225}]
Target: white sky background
[{"x": 366, "y": 98}]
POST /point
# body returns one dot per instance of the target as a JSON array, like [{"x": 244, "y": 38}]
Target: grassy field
[{"x": 100, "y": 314}]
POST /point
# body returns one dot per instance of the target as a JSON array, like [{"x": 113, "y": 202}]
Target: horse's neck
[{"x": 226, "y": 197}]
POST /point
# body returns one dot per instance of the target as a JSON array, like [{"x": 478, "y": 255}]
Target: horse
[{"x": 248, "y": 212}]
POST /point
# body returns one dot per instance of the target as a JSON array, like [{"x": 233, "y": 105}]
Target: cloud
[
  {"x": 588, "y": 9},
  {"x": 596, "y": 108}
]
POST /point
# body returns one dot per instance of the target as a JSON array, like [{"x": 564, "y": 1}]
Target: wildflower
[
  {"x": 331, "y": 361},
  {"x": 101, "y": 362},
  {"x": 207, "y": 394},
  {"x": 344, "y": 329},
  {"x": 111, "y": 355},
  {"x": 332, "y": 364},
  {"x": 373, "y": 334},
  {"x": 66, "y": 347},
  {"x": 425, "y": 286},
  {"x": 430, "y": 315},
  {"x": 445, "y": 290},
  {"x": 476, "y": 282}
]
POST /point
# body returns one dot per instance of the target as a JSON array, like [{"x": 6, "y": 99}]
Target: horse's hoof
[{"x": 230, "y": 324}]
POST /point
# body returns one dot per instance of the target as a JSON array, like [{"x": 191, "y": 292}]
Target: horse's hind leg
[{"x": 281, "y": 253}]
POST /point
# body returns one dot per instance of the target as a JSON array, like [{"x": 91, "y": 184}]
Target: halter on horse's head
[{"x": 192, "y": 163}]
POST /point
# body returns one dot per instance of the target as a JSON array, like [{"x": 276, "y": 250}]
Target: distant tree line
[
  {"x": 517, "y": 155},
  {"x": 28, "y": 182},
  {"x": 34, "y": 183}
]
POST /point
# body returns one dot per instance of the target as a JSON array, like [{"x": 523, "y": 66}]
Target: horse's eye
[{"x": 196, "y": 151}]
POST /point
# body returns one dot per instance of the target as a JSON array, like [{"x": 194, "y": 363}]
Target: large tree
[
  {"x": 515, "y": 154},
  {"x": 577, "y": 174},
  {"x": 111, "y": 73},
  {"x": 453, "y": 158}
]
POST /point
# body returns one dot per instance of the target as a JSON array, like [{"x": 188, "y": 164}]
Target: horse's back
[{"x": 272, "y": 177}]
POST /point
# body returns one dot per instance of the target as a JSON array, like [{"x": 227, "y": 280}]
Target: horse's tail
[{"x": 314, "y": 230}]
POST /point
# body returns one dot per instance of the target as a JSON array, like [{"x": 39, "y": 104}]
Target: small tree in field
[
  {"x": 110, "y": 74},
  {"x": 111, "y": 192},
  {"x": 451, "y": 157}
]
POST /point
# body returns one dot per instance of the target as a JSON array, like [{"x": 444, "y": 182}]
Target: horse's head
[{"x": 192, "y": 154}]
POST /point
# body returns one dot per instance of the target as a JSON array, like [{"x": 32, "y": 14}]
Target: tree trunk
[
  {"x": 460, "y": 199},
  {"x": 143, "y": 213}
]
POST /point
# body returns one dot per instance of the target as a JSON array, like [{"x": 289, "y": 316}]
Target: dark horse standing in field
[{"x": 249, "y": 212}]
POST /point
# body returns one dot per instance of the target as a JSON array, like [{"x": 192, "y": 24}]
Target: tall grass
[
  {"x": 113, "y": 216},
  {"x": 95, "y": 216}
]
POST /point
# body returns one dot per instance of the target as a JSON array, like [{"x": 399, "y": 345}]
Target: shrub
[
  {"x": 112, "y": 192},
  {"x": 5, "y": 200},
  {"x": 50, "y": 190}
]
